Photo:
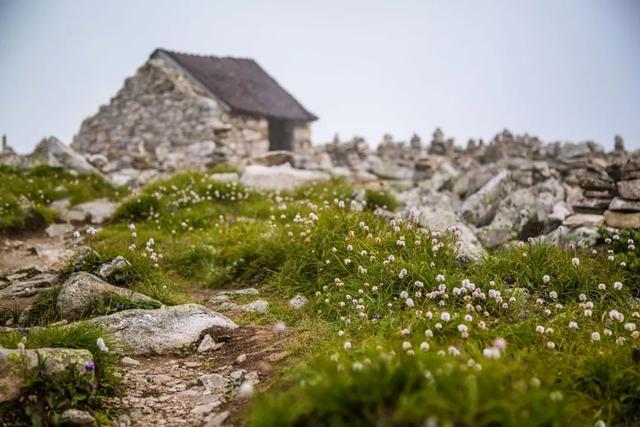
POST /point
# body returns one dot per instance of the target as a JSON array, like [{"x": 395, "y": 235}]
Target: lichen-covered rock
[
  {"x": 14, "y": 365},
  {"x": 116, "y": 265},
  {"x": 524, "y": 213},
  {"x": 163, "y": 330},
  {"x": 629, "y": 189},
  {"x": 480, "y": 208},
  {"x": 82, "y": 290}
]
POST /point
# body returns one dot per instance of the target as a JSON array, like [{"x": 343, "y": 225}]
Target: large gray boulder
[
  {"x": 14, "y": 367},
  {"x": 480, "y": 208},
  {"x": 526, "y": 212},
  {"x": 53, "y": 152},
  {"x": 278, "y": 178},
  {"x": 82, "y": 290},
  {"x": 442, "y": 219},
  {"x": 96, "y": 210},
  {"x": 163, "y": 330}
]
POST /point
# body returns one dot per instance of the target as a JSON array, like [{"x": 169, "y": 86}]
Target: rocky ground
[{"x": 195, "y": 281}]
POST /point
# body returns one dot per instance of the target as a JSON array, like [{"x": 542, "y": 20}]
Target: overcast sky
[{"x": 562, "y": 70}]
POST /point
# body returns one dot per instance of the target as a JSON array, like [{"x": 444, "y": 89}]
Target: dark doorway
[{"x": 280, "y": 135}]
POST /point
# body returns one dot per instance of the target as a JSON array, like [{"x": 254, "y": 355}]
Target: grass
[
  {"x": 397, "y": 331},
  {"x": 26, "y": 195}
]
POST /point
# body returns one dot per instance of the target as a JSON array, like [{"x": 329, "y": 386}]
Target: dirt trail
[{"x": 194, "y": 389}]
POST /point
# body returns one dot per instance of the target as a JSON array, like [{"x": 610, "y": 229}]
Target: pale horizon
[{"x": 562, "y": 71}]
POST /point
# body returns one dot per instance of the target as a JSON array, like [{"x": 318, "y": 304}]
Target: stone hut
[{"x": 184, "y": 110}]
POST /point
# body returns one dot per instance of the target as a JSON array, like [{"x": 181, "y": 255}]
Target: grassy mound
[
  {"x": 397, "y": 331},
  {"x": 26, "y": 194}
]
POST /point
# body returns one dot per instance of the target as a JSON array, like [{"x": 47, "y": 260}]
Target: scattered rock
[
  {"x": 57, "y": 230},
  {"x": 128, "y": 361},
  {"x": 214, "y": 383},
  {"x": 163, "y": 330},
  {"x": 206, "y": 344},
  {"x": 82, "y": 290},
  {"x": 117, "y": 265},
  {"x": 77, "y": 418},
  {"x": 97, "y": 210}
]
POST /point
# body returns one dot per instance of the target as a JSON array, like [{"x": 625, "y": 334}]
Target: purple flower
[
  {"x": 43, "y": 373},
  {"x": 23, "y": 330},
  {"x": 90, "y": 366}
]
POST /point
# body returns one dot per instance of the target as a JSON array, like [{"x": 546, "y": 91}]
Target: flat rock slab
[
  {"x": 279, "y": 178},
  {"x": 162, "y": 330},
  {"x": 622, "y": 220}
]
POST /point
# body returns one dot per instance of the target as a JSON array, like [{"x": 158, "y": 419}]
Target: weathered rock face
[
  {"x": 81, "y": 290},
  {"x": 481, "y": 207},
  {"x": 523, "y": 213},
  {"x": 53, "y": 152},
  {"x": 12, "y": 366},
  {"x": 162, "y": 330},
  {"x": 163, "y": 119}
]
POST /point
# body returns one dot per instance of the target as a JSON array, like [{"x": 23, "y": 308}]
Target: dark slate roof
[{"x": 242, "y": 84}]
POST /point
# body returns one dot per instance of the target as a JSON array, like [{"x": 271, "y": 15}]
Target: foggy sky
[{"x": 562, "y": 70}]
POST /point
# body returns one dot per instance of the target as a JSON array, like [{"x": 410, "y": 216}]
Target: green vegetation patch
[{"x": 26, "y": 194}]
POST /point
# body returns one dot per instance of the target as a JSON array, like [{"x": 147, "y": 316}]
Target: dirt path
[
  {"x": 199, "y": 388},
  {"x": 195, "y": 389}
]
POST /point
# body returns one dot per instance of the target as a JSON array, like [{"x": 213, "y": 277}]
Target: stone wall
[{"x": 163, "y": 119}]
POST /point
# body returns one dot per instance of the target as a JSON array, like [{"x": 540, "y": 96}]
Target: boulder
[
  {"x": 437, "y": 219},
  {"x": 624, "y": 205},
  {"x": 581, "y": 220},
  {"x": 14, "y": 366},
  {"x": 583, "y": 236},
  {"x": 53, "y": 152},
  {"x": 622, "y": 220},
  {"x": 480, "y": 208},
  {"x": 279, "y": 178},
  {"x": 163, "y": 330},
  {"x": 97, "y": 210},
  {"x": 629, "y": 189},
  {"x": 524, "y": 213},
  {"x": 82, "y": 290}
]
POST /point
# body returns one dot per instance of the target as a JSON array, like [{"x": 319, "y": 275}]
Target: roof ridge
[{"x": 199, "y": 55}]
